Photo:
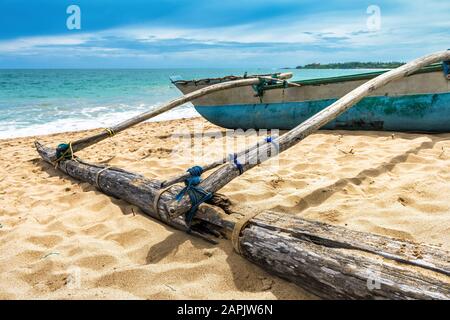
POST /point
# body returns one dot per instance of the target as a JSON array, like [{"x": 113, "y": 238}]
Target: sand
[{"x": 60, "y": 239}]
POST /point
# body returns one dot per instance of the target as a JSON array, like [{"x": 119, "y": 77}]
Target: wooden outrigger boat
[
  {"x": 329, "y": 261},
  {"x": 419, "y": 102}
]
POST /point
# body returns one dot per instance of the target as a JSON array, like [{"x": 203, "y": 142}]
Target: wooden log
[
  {"x": 227, "y": 173},
  {"x": 128, "y": 186},
  {"x": 336, "y": 263},
  {"x": 331, "y": 262},
  {"x": 88, "y": 141}
]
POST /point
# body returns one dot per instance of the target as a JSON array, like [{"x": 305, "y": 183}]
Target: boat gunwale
[
  {"x": 321, "y": 81},
  {"x": 360, "y": 76},
  {"x": 363, "y": 76}
]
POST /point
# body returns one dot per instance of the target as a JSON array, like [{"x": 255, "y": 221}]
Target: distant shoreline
[{"x": 351, "y": 65}]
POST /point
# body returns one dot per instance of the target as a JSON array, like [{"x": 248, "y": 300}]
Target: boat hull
[
  {"x": 420, "y": 113},
  {"x": 418, "y": 102}
]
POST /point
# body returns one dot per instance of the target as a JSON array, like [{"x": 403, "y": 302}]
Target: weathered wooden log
[
  {"x": 336, "y": 263},
  {"x": 227, "y": 173},
  {"x": 331, "y": 262},
  {"x": 128, "y": 186},
  {"x": 88, "y": 141}
]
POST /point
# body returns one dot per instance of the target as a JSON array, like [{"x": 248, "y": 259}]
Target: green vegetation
[{"x": 353, "y": 65}]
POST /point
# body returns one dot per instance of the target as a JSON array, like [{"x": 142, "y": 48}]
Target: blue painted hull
[{"x": 421, "y": 113}]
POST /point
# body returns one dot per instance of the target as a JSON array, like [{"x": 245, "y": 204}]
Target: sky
[{"x": 217, "y": 33}]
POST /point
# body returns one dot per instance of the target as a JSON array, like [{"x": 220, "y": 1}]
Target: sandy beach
[{"x": 52, "y": 227}]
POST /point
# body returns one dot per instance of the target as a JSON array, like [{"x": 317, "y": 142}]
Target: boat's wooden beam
[{"x": 224, "y": 175}]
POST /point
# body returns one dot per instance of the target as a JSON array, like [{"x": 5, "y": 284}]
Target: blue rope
[
  {"x": 260, "y": 87},
  {"x": 64, "y": 152},
  {"x": 269, "y": 139},
  {"x": 197, "y": 195},
  {"x": 238, "y": 165},
  {"x": 447, "y": 69}
]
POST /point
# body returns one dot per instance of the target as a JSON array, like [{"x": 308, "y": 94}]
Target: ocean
[{"x": 36, "y": 102}]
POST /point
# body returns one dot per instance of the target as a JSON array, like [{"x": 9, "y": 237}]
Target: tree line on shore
[{"x": 353, "y": 65}]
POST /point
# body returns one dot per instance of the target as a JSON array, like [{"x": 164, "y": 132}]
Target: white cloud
[
  {"x": 419, "y": 28},
  {"x": 21, "y": 44}
]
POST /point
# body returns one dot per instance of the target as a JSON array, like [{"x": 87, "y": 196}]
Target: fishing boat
[
  {"x": 419, "y": 102},
  {"x": 328, "y": 261}
]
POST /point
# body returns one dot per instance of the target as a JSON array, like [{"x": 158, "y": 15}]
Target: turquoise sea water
[{"x": 34, "y": 102}]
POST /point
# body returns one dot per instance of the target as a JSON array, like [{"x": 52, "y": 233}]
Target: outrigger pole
[{"x": 109, "y": 132}]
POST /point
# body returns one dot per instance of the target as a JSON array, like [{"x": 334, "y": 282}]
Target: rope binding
[
  {"x": 110, "y": 132},
  {"x": 197, "y": 195},
  {"x": 64, "y": 151},
  {"x": 237, "y": 164},
  {"x": 446, "y": 65}
]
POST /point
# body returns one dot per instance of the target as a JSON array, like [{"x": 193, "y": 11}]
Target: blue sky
[{"x": 225, "y": 33}]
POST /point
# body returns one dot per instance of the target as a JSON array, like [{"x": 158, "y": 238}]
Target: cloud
[
  {"x": 24, "y": 44},
  {"x": 408, "y": 29}
]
